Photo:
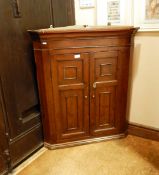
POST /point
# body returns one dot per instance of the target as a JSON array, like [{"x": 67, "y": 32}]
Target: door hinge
[{"x": 7, "y": 155}]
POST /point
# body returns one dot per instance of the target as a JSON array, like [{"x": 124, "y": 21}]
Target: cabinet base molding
[
  {"x": 83, "y": 142},
  {"x": 143, "y": 131}
]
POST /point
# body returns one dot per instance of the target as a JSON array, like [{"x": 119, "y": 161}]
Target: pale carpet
[{"x": 129, "y": 156}]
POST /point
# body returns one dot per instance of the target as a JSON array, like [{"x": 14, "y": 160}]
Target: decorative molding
[
  {"x": 30, "y": 114},
  {"x": 66, "y": 72},
  {"x": 83, "y": 142},
  {"x": 143, "y": 131},
  {"x": 18, "y": 145},
  {"x": 22, "y": 135}
]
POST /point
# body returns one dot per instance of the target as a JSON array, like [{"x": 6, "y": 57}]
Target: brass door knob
[{"x": 93, "y": 96}]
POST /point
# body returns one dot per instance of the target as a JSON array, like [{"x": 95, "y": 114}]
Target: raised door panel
[
  {"x": 105, "y": 107},
  {"x": 70, "y": 78},
  {"x": 72, "y": 112},
  {"x": 104, "y": 94},
  {"x": 18, "y": 73}
]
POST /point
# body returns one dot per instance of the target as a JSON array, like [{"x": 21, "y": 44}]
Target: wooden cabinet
[{"x": 82, "y": 77}]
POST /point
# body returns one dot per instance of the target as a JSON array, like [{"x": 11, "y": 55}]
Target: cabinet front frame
[{"x": 53, "y": 50}]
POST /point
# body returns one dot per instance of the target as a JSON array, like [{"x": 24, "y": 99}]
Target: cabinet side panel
[
  {"x": 45, "y": 87},
  {"x": 123, "y": 76}
]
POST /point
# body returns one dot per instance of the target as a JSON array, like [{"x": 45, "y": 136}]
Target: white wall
[
  {"x": 143, "y": 101},
  {"x": 85, "y": 16},
  {"x": 144, "y": 84}
]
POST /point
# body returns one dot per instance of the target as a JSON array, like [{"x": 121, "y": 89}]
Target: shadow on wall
[{"x": 133, "y": 70}]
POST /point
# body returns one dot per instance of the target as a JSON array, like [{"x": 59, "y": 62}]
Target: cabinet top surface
[{"x": 74, "y": 29}]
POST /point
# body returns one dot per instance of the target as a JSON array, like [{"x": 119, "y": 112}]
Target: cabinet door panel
[
  {"x": 72, "y": 112},
  {"x": 71, "y": 93},
  {"x": 70, "y": 72},
  {"x": 104, "y": 82},
  {"x": 105, "y": 107},
  {"x": 105, "y": 66}
]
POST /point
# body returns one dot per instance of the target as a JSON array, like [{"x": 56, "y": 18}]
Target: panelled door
[
  {"x": 4, "y": 152},
  {"x": 18, "y": 73},
  {"x": 103, "y": 94},
  {"x": 63, "y": 13},
  {"x": 70, "y": 73},
  {"x": 3, "y": 146}
]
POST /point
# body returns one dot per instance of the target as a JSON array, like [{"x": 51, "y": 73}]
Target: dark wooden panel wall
[
  {"x": 17, "y": 70},
  {"x": 4, "y": 151},
  {"x": 63, "y": 12},
  {"x": 18, "y": 74}
]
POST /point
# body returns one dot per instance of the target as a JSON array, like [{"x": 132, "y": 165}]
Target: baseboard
[
  {"x": 143, "y": 131},
  {"x": 83, "y": 142}
]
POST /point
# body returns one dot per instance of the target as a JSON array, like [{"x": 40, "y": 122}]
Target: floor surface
[{"x": 129, "y": 156}]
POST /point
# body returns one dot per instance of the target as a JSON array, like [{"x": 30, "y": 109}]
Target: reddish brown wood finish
[
  {"x": 104, "y": 81},
  {"x": 83, "y": 77},
  {"x": 71, "y": 78},
  {"x": 143, "y": 131}
]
